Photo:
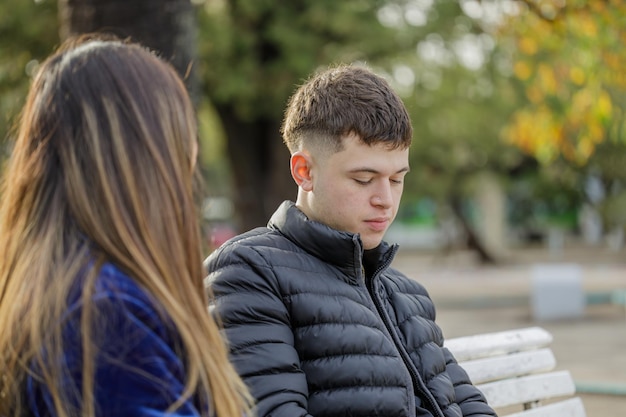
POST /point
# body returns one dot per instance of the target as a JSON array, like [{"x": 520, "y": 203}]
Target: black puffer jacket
[{"x": 311, "y": 335}]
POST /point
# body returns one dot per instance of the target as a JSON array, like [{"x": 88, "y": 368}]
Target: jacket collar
[{"x": 341, "y": 249}]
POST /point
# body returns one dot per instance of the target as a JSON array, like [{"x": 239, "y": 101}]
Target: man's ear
[{"x": 301, "y": 164}]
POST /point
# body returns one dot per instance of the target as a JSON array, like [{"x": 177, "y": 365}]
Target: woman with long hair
[{"x": 102, "y": 306}]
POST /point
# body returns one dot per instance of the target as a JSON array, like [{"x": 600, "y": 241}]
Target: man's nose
[{"x": 383, "y": 196}]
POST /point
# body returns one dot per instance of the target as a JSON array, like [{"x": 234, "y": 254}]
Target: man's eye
[
  {"x": 362, "y": 182},
  {"x": 396, "y": 181}
]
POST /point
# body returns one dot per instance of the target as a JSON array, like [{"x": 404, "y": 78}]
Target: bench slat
[
  {"x": 528, "y": 389},
  {"x": 498, "y": 343},
  {"x": 512, "y": 369},
  {"x": 507, "y": 366},
  {"x": 572, "y": 407}
]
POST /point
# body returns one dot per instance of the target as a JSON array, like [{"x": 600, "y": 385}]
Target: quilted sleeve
[
  {"x": 468, "y": 397},
  {"x": 256, "y": 322}
]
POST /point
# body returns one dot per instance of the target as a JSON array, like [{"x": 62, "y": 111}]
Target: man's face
[{"x": 357, "y": 189}]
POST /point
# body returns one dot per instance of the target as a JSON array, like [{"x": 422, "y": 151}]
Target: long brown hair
[{"x": 104, "y": 153}]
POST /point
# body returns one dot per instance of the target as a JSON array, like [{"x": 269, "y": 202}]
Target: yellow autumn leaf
[
  {"x": 587, "y": 26},
  {"x": 577, "y": 75},
  {"x": 535, "y": 94},
  {"x": 604, "y": 106},
  {"x": 547, "y": 78},
  {"x": 522, "y": 70},
  {"x": 528, "y": 46},
  {"x": 537, "y": 133},
  {"x": 581, "y": 102},
  {"x": 613, "y": 60},
  {"x": 546, "y": 152},
  {"x": 595, "y": 132}
]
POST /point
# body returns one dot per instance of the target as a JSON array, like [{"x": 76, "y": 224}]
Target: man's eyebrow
[{"x": 374, "y": 171}]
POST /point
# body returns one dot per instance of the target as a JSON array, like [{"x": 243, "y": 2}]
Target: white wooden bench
[{"x": 515, "y": 371}]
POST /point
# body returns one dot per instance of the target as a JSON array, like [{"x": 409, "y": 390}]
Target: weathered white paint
[
  {"x": 513, "y": 368},
  {"x": 498, "y": 343},
  {"x": 512, "y": 365},
  {"x": 572, "y": 407},
  {"x": 527, "y": 389}
]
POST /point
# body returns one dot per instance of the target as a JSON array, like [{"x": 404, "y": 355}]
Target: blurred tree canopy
[
  {"x": 28, "y": 30},
  {"x": 492, "y": 86},
  {"x": 570, "y": 58},
  {"x": 457, "y": 86},
  {"x": 254, "y": 53}
]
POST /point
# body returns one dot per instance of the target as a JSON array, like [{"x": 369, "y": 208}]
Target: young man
[{"x": 318, "y": 322}]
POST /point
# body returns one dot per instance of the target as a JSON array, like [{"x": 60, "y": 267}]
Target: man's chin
[{"x": 371, "y": 243}]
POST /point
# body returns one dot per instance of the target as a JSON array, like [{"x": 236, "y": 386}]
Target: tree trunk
[
  {"x": 259, "y": 159},
  {"x": 473, "y": 241},
  {"x": 166, "y": 26},
  {"x": 260, "y": 165}
]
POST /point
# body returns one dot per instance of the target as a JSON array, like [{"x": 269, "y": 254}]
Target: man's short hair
[{"x": 343, "y": 100}]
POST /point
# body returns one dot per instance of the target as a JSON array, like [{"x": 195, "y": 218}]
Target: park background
[
  {"x": 519, "y": 151},
  {"x": 517, "y": 105}
]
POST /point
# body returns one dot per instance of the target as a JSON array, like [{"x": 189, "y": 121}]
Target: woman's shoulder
[
  {"x": 112, "y": 281},
  {"x": 137, "y": 367},
  {"x": 119, "y": 301}
]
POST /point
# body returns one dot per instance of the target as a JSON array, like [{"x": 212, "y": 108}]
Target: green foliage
[
  {"x": 548, "y": 196},
  {"x": 457, "y": 134},
  {"x": 255, "y": 52},
  {"x": 550, "y": 76},
  {"x": 460, "y": 100},
  {"x": 28, "y": 33},
  {"x": 211, "y": 159},
  {"x": 570, "y": 60}
]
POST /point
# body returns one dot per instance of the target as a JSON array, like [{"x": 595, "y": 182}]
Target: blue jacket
[
  {"x": 313, "y": 334},
  {"x": 139, "y": 371}
]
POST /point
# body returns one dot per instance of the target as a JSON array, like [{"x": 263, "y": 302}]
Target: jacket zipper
[{"x": 417, "y": 380}]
